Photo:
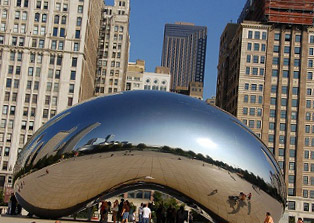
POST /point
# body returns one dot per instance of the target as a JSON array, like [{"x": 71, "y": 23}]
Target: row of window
[
  {"x": 40, "y": 43},
  {"x": 253, "y": 99},
  {"x": 254, "y": 87},
  {"x": 255, "y": 71},
  {"x": 284, "y": 102},
  {"x": 287, "y": 37},
  {"x": 287, "y": 49},
  {"x": 256, "y": 47},
  {"x": 255, "y": 59},
  {"x": 257, "y": 35},
  {"x": 252, "y": 111},
  {"x": 283, "y": 114},
  {"x": 286, "y": 61},
  {"x": 306, "y": 207},
  {"x": 253, "y": 123}
]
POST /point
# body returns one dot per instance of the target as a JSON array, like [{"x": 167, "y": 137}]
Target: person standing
[
  {"x": 268, "y": 218},
  {"x": 120, "y": 210},
  {"x": 115, "y": 210},
  {"x": 300, "y": 220},
  {"x": 147, "y": 214},
  {"x": 125, "y": 211},
  {"x": 13, "y": 204},
  {"x": 140, "y": 213}
]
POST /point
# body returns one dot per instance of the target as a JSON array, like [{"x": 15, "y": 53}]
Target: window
[
  {"x": 293, "y": 127},
  {"x": 80, "y": 9},
  {"x": 298, "y": 38},
  {"x": 277, "y": 36},
  {"x": 310, "y": 75},
  {"x": 275, "y": 73},
  {"x": 286, "y": 49},
  {"x": 286, "y": 61},
  {"x": 306, "y": 167},
  {"x": 257, "y": 35},
  {"x": 256, "y": 46},
  {"x": 78, "y": 21},
  {"x": 253, "y": 99},
  {"x": 74, "y": 61},
  {"x": 250, "y": 34},
  {"x": 287, "y": 37},
  {"x": 306, "y": 207},
  {"x": 275, "y": 60},
  {"x": 73, "y": 74},
  {"x": 292, "y": 153},
  {"x": 296, "y": 62}
]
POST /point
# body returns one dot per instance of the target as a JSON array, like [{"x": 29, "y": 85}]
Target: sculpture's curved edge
[{"x": 55, "y": 214}]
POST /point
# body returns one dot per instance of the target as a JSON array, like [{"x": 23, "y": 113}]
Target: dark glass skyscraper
[{"x": 184, "y": 52}]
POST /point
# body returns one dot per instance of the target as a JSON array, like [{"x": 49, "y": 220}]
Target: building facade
[
  {"x": 265, "y": 78},
  {"x": 48, "y": 56},
  {"x": 113, "y": 49},
  {"x": 138, "y": 79},
  {"x": 184, "y": 52}
]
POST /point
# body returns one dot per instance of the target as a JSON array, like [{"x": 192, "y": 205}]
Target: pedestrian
[
  {"x": 249, "y": 196},
  {"x": 140, "y": 213},
  {"x": 13, "y": 204},
  {"x": 181, "y": 216},
  {"x": 300, "y": 220},
  {"x": 120, "y": 210},
  {"x": 268, "y": 218},
  {"x": 125, "y": 211},
  {"x": 104, "y": 212},
  {"x": 115, "y": 210},
  {"x": 160, "y": 214},
  {"x": 169, "y": 214},
  {"x": 147, "y": 214}
]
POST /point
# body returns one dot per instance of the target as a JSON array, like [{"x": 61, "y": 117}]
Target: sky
[{"x": 148, "y": 18}]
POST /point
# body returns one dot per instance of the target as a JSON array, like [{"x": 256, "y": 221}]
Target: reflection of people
[
  {"x": 249, "y": 196},
  {"x": 242, "y": 196},
  {"x": 300, "y": 220},
  {"x": 146, "y": 214},
  {"x": 268, "y": 218}
]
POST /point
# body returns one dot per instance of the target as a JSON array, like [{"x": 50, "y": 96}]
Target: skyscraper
[
  {"x": 265, "y": 78},
  {"x": 113, "y": 51},
  {"x": 48, "y": 62},
  {"x": 184, "y": 52}
]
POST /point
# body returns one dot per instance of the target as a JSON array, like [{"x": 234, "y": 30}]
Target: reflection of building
[
  {"x": 138, "y": 79},
  {"x": 48, "y": 64},
  {"x": 184, "y": 51},
  {"x": 265, "y": 78},
  {"x": 194, "y": 90},
  {"x": 211, "y": 101},
  {"x": 113, "y": 48}
]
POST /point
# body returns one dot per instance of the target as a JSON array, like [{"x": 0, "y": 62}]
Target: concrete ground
[{"x": 24, "y": 219}]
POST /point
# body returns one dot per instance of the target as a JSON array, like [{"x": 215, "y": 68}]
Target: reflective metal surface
[{"x": 147, "y": 139}]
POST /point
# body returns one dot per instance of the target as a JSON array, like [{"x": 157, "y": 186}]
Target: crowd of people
[
  {"x": 126, "y": 212},
  {"x": 121, "y": 212}
]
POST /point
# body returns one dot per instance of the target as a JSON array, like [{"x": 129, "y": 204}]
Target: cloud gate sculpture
[{"x": 149, "y": 140}]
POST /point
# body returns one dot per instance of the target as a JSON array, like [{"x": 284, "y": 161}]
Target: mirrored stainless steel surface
[{"x": 147, "y": 139}]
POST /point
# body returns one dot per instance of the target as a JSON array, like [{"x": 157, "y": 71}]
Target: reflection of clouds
[{"x": 206, "y": 143}]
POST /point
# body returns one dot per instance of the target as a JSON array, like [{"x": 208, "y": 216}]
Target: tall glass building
[{"x": 184, "y": 52}]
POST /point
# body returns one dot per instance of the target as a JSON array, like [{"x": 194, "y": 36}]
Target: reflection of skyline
[
  {"x": 273, "y": 188},
  {"x": 165, "y": 121}
]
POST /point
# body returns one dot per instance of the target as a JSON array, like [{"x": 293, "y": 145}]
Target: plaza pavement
[{"x": 23, "y": 219}]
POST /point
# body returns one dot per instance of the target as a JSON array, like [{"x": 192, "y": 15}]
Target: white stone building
[{"x": 48, "y": 53}]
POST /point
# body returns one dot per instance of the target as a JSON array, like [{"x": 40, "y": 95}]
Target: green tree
[{"x": 2, "y": 198}]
